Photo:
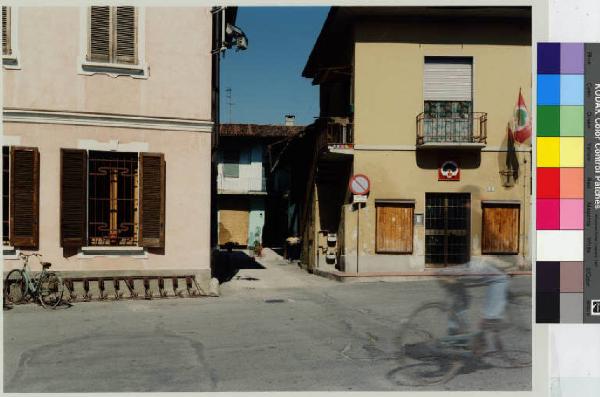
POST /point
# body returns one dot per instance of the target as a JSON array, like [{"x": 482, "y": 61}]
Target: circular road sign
[{"x": 360, "y": 184}]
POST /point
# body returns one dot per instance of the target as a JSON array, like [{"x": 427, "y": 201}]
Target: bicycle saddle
[{"x": 46, "y": 265}]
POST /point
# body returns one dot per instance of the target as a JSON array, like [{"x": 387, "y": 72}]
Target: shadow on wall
[
  {"x": 228, "y": 264},
  {"x": 432, "y": 159}
]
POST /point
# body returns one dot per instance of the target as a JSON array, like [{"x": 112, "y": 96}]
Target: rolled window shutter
[
  {"x": 126, "y": 35},
  {"x": 24, "y": 201},
  {"x": 99, "y": 50},
  {"x": 152, "y": 200},
  {"x": 448, "y": 79},
  {"x": 73, "y": 192},
  {"x": 6, "y": 50}
]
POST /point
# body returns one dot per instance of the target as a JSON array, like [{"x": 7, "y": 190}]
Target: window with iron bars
[{"x": 113, "y": 217}]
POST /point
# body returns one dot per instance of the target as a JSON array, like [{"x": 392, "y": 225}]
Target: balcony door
[
  {"x": 448, "y": 96},
  {"x": 447, "y": 228}
]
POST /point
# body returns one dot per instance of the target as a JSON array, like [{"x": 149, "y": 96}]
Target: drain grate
[{"x": 274, "y": 300}]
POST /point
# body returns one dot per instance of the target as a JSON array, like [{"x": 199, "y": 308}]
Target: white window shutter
[
  {"x": 99, "y": 49},
  {"x": 126, "y": 35},
  {"x": 6, "y": 50},
  {"x": 448, "y": 79}
]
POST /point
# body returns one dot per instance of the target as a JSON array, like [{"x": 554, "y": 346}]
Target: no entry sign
[{"x": 360, "y": 184}]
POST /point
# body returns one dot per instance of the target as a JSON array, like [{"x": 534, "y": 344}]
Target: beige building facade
[
  {"x": 108, "y": 138},
  {"x": 424, "y": 99}
]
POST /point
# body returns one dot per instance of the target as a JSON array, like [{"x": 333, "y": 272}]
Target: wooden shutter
[
  {"x": 394, "y": 228},
  {"x": 152, "y": 200},
  {"x": 6, "y": 49},
  {"x": 448, "y": 79},
  {"x": 500, "y": 229},
  {"x": 100, "y": 43},
  {"x": 126, "y": 40},
  {"x": 24, "y": 200},
  {"x": 73, "y": 193}
]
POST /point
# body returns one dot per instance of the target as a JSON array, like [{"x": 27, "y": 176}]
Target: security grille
[
  {"x": 112, "y": 199},
  {"x": 447, "y": 231}
]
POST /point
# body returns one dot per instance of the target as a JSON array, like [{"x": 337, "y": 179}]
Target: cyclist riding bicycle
[{"x": 486, "y": 272}]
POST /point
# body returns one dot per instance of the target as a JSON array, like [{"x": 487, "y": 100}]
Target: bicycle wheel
[
  {"x": 50, "y": 290},
  {"x": 423, "y": 361},
  {"x": 15, "y": 286}
]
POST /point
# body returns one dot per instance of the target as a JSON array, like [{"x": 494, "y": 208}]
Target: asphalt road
[{"x": 322, "y": 336}]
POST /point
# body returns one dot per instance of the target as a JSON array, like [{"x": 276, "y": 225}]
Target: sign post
[{"x": 360, "y": 186}]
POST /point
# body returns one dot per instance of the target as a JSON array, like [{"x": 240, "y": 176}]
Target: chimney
[{"x": 289, "y": 120}]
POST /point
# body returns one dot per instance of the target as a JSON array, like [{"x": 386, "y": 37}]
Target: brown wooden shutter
[
  {"x": 500, "y": 234},
  {"x": 126, "y": 35},
  {"x": 24, "y": 200},
  {"x": 394, "y": 228},
  {"x": 100, "y": 43},
  {"x": 152, "y": 200},
  {"x": 73, "y": 193},
  {"x": 6, "y": 50}
]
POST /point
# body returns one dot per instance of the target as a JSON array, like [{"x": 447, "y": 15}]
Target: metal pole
[{"x": 357, "y": 234}]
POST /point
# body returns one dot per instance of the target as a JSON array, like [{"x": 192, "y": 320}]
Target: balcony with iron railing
[{"x": 467, "y": 130}]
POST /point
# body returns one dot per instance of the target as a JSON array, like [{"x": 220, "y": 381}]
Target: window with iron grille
[
  {"x": 112, "y": 199},
  {"x": 113, "y": 35}
]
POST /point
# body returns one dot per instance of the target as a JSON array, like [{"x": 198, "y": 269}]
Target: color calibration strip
[{"x": 565, "y": 209}]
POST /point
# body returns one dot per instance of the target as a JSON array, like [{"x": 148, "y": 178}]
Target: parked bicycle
[
  {"x": 21, "y": 286},
  {"x": 429, "y": 355}
]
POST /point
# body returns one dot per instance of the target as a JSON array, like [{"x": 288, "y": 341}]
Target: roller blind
[{"x": 448, "y": 79}]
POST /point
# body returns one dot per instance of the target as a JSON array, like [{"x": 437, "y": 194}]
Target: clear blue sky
[{"x": 265, "y": 80}]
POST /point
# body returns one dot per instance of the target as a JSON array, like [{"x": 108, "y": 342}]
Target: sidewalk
[{"x": 270, "y": 270}]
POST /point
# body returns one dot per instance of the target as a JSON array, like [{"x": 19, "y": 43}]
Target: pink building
[{"x": 108, "y": 137}]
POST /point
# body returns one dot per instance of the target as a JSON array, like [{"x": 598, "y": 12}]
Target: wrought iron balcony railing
[
  {"x": 466, "y": 128},
  {"x": 334, "y": 134}
]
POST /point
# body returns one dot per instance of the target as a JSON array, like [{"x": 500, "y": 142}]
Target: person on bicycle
[{"x": 477, "y": 272}]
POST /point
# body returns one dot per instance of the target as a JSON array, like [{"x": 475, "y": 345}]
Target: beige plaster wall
[
  {"x": 177, "y": 51},
  {"x": 188, "y": 201}
]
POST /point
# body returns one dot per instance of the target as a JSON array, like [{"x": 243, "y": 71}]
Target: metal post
[{"x": 357, "y": 235}]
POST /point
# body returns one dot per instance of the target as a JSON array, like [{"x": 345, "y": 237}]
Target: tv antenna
[{"x": 229, "y": 101}]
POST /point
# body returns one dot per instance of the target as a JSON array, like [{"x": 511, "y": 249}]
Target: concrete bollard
[{"x": 213, "y": 287}]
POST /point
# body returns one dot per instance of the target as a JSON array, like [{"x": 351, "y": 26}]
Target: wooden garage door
[
  {"x": 394, "y": 228},
  {"x": 233, "y": 220},
  {"x": 500, "y": 228}
]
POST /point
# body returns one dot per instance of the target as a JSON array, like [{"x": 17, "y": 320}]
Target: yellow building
[{"x": 419, "y": 100}]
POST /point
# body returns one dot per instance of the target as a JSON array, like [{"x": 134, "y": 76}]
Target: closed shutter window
[
  {"x": 24, "y": 197},
  {"x": 231, "y": 164},
  {"x": 152, "y": 197},
  {"x": 6, "y": 47},
  {"x": 394, "y": 228},
  {"x": 113, "y": 35},
  {"x": 500, "y": 228},
  {"x": 448, "y": 79}
]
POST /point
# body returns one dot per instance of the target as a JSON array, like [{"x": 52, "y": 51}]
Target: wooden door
[
  {"x": 233, "y": 220},
  {"x": 500, "y": 229},
  {"x": 394, "y": 228}
]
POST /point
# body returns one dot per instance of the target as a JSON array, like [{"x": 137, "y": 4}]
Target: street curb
[{"x": 394, "y": 276}]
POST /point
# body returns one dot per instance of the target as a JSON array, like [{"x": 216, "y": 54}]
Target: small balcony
[
  {"x": 335, "y": 135},
  {"x": 466, "y": 131},
  {"x": 241, "y": 185}
]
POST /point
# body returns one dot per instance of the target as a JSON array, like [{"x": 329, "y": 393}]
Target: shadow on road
[{"x": 229, "y": 263}]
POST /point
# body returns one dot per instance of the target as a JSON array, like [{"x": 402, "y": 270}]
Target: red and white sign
[
  {"x": 449, "y": 171},
  {"x": 360, "y": 184}
]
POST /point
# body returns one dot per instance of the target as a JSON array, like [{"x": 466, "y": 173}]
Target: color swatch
[{"x": 564, "y": 72}]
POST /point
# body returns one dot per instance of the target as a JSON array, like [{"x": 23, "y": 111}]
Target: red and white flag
[{"x": 521, "y": 126}]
